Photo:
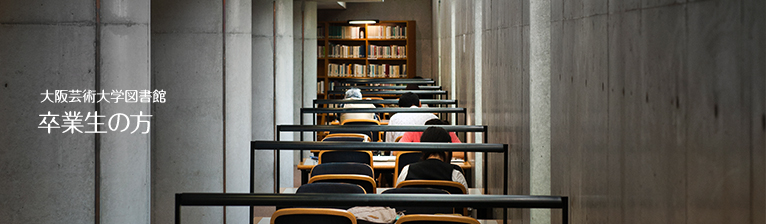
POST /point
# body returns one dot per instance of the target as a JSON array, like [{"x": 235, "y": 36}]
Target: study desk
[
  {"x": 267, "y": 220},
  {"x": 292, "y": 190},
  {"x": 379, "y": 165}
]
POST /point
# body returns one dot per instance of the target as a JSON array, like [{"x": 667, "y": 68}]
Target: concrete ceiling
[{"x": 334, "y": 4}]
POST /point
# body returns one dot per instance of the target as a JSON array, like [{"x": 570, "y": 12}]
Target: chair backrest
[
  {"x": 332, "y": 188},
  {"x": 365, "y": 181},
  {"x": 342, "y": 168},
  {"x": 404, "y": 158},
  {"x": 420, "y": 210},
  {"x": 346, "y": 137},
  {"x": 312, "y": 215},
  {"x": 436, "y": 219},
  {"x": 333, "y": 156},
  {"x": 375, "y": 135},
  {"x": 450, "y": 186}
]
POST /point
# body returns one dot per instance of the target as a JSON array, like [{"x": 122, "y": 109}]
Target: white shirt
[
  {"x": 346, "y": 116},
  {"x": 456, "y": 176},
  {"x": 407, "y": 119}
]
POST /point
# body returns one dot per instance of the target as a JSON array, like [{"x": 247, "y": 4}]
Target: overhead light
[{"x": 363, "y": 21}]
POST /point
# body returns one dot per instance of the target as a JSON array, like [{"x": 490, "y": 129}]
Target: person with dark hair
[
  {"x": 433, "y": 165},
  {"x": 407, "y": 100},
  {"x": 414, "y": 136}
]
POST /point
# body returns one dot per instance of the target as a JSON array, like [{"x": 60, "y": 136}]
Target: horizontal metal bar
[
  {"x": 420, "y": 200},
  {"x": 387, "y": 81},
  {"x": 360, "y": 128},
  {"x": 385, "y": 101},
  {"x": 393, "y": 92},
  {"x": 383, "y": 110},
  {"x": 394, "y": 146},
  {"x": 385, "y": 87}
]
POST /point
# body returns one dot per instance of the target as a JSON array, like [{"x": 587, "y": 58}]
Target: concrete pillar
[
  {"x": 72, "y": 177},
  {"x": 478, "y": 114},
  {"x": 540, "y": 104},
  {"x": 272, "y": 86},
  {"x": 305, "y": 33},
  {"x": 188, "y": 142},
  {"x": 47, "y": 178},
  {"x": 124, "y": 157},
  {"x": 238, "y": 103}
]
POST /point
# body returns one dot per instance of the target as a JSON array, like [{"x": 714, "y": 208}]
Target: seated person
[
  {"x": 407, "y": 100},
  {"x": 415, "y": 137},
  {"x": 356, "y": 94},
  {"x": 432, "y": 165}
]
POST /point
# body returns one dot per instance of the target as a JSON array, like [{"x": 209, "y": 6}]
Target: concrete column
[
  {"x": 75, "y": 177},
  {"x": 188, "y": 142},
  {"x": 125, "y": 158},
  {"x": 284, "y": 83},
  {"x": 238, "y": 103},
  {"x": 47, "y": 178},
  {"x": 477, "y": 60},
  {"x": 272, "y": 88},
  {"x": 540, "y": 105},
  {"x": 305, "y": 33}
]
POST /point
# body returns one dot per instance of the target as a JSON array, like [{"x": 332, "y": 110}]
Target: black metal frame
[
  {"x": 441, "y": 110},
  {"x": 386, "y": 81},
  {"x": 392, "y": 92},
  {"x": 384, "y": 101},
  {"x": 424, "y": 200},
  {"x": 385, "y": 87},
  {"x": 364, "y": 128}
]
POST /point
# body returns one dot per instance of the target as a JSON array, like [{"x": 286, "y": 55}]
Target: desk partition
[
  {"x": 365, "y": 128},
  {"x": 384, "y": 87},
  {"x": 392, "y": 92},
  {"x": 393, "y": 200},
  {"x": 385, "y": 101}
]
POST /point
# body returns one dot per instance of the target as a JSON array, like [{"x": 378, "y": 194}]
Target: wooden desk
[
  {"x": 307, "y": 164},
  {"x": 292, "y": 190}
]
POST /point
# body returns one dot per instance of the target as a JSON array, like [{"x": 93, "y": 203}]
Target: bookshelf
[{"x": 383, "y": 50}]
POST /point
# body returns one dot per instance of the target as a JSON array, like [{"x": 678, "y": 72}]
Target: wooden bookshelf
[{"x": 341, "y": 38}]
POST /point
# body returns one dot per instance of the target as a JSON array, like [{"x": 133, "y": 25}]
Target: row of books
[
  {"x": 386, "y": 32},
  {"x": 344, "y": 51},
  {"x": 346, "y": 70},
  {"x": 387, "y": 71},
  {"x": 393, "y": 51},
  {"x": 320, "y": 32},
  {"x": 320, "y": 87},
  {"x": 346, "y": 32},
  {"x": 367, "y": 71}
]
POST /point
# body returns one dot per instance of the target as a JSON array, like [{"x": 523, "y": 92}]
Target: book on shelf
[
  {"x": 321, "y": 52},
  {"x": 346, "y": 70},
  {"x": 320, "y": 87},
  {"x": 320, "y": 32},
  {"x": 387, "y": 71},
  {"x": 392, "y": 51},
  {"x": 386, "y": 32},
  {"x": 345, "y": 51},
  {"x": 346, "y": 32}
]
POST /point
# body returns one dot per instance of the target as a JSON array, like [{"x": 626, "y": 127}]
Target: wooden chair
[
  {"x": 342, "y": 168},
  {"x": 365, "y": 181},
  {"x": 358, "y": 156},
  {"x": 450, "y": 186},
  {"x": 331, "y": 188},
  {"x": 441, "y": 219},
  {"x": 404, "y": 158},
  {"x": 312, "y": 215},
  {"x": 376, "y": 136},
  {"x": 346, "y": 137}
]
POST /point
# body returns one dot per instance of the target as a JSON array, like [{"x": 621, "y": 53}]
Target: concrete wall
[
  {"x": 72, "y": 177},
  {"x": 657, "y": 107},
  {"x": 502, "y": 61},
  {"x": 201, "y": 57},
  {"x": 417, "y": 10}
]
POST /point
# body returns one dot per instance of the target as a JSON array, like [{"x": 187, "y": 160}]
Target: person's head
[
  {"x": 437, "y": 135},
  {"x": 353, "y": 94},
  {"x": 436, "y": 121},
  {"x": 409, "y": 99}
]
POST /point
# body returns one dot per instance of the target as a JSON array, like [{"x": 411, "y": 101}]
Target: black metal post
[
  {"x": 565, "y": 210},
  {"x": 178, "y": 210}
]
